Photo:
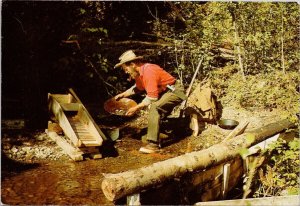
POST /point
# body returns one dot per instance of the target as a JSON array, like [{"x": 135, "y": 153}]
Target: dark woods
[{"x": 52, "y": 46}]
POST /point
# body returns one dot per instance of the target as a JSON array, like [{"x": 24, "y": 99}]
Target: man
[{"x": 160, "y": 87}]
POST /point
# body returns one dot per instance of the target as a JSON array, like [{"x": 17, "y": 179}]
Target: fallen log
[{"x": 115, "y": 186}]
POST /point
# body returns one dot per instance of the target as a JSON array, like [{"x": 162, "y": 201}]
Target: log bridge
[
  {"x": 214, "y": 170},
  {"x": 81, "y": 134}
]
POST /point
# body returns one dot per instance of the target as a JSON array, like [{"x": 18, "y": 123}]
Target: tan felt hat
[{"x": 127, "y": 57}]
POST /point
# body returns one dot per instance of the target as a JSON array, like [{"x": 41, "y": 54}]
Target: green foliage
[
  {"x": 266, "y": 33},
  {"x": 93, "y": 30},
  {"x": 244, "y": 152},
  {"x": 281, "y": 174},
  {"x": 82, "y": 11},
  {"x": 266, "y": 91}
]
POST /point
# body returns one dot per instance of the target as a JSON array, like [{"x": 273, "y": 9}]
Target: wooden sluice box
[{"x": 82, "y": 134}]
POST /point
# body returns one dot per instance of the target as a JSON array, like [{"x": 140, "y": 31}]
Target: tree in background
[{"x": 77, "y": 43}]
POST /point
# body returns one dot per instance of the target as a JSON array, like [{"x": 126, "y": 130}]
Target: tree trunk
[
  {"x": 115, "y": 186},
  {"x": 237, "y": 41},
  {"x": 282, "y": 53}
]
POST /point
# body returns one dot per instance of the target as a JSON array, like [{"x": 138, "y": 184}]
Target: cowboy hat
[{"x": 127, "y": 57}]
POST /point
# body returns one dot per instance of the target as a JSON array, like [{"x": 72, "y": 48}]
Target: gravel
[{"x": 31, "y": 147}]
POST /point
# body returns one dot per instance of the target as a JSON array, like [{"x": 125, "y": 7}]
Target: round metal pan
[
  {"x": 119, "y": 107},
  {"x": 227, "y": 123}
]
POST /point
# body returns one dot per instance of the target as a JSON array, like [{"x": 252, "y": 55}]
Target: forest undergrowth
[{"x": 277, "y": 90}]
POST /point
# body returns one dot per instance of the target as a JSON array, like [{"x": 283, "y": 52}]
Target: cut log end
[{"x": 109, "y": 189}]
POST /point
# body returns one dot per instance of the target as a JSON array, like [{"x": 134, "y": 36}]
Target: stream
[{"x": 58, "y": 183}]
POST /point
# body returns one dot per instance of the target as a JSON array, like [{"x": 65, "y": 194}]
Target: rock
[
  {"x": 7, "y": 146},
  {"x": 29, "y": 156},
  {"x": 26, "y": 149},
  {"x": 14, "y": 149},
  {"x": 41, "y": 137},
  {"x": 28, "y": 143}
]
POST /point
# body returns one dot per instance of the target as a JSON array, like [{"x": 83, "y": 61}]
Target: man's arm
[
  {"x": 146, "y": 101},
  {"x": 127, "y": 93}
]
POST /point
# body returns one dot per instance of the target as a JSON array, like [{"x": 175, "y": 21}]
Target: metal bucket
[{"x": 114, "y": 133}]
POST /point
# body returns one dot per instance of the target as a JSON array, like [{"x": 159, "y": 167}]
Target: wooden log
[
  {"x": 115, "y": 186},
  {"x": 274, "y": 201}
]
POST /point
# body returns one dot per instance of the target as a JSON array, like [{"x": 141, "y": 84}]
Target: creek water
[
  {"x": 58, "y": 183},
  {"x": 64, "y": 182}
]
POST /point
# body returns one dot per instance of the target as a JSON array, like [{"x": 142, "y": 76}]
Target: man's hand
[
  {"x": 127, "y": 93},
  {"x": 119, "y": 96},
  {"x": 133, "y": 110}
]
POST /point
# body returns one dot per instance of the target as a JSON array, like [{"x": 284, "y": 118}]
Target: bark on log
[{"x": 115, "y": 186}]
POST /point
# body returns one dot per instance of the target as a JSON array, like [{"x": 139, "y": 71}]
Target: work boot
[
  {"x": 161, "y": 136},
  {"x": 144, "y": 138},
  {"x": 149, "y": 148}
]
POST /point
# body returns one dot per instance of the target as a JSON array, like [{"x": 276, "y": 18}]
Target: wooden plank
[
  {"x": 206, "y": 176},
  {"x": 263, "y": 145},
  {"x": 61, "y": 98},
  {"x": 87, "y": 122},
  {"x": 213, "y": 189},
  {"x": 134, "y": 199},
  {"x": 92, "y": 125},
  {"x": 237, "y": 131},
  {"x": 54, "y": 127},
  {"x": 87, "y": 138},
  {"x": 292, "y": 200},
  {"x": 212, "y": 193},
  {"x": 70, "y": 106},
  {"x": 95, "y": 155},
  {"x": 71, "y": 99},
  {"x": 226, "y": 175},
  {"x": 89, "y": 149},
  {"x": 73, "y": 152},
  {"x": 87, "y": 143},
  {"x": 57, "y": 110}
]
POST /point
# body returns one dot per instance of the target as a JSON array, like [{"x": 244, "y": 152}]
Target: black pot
[{"x": 227, "y": 123}]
